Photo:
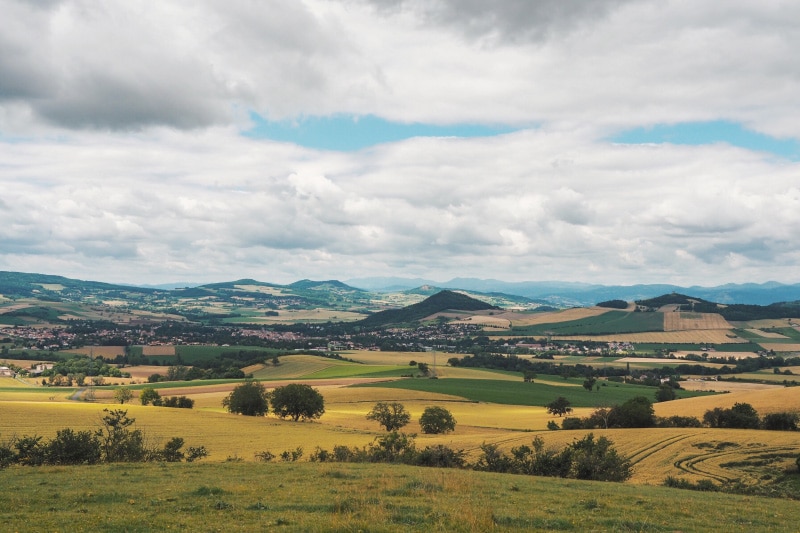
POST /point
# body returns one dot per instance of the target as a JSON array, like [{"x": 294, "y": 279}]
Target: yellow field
[
  {"x": 158, "y": 350},
  {"x": 771, "y": 323},
  {"x": 99, "y": 351},
  {"x": 696, "y": 384},
  {"x": 275, "y": 291},
  {"x": 679, "y": 321},
  {"x": 781, "y": 347},
  {"x": 12, "y": 383},
  {"x": 714, "y": 336},
  {"x": 764, "y": 401},
  {"x": 766, "y": 334}
]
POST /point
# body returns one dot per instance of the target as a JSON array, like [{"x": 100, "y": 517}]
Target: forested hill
[
  {"x": 441, "y": 301},
  {"x": 732, "y": 312}
]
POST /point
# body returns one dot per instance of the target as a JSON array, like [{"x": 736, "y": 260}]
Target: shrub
[
  {"x": 571, "y": 422},
  {"x": 440, "y": 456},
  {"x": 73, "y": 448},
  {"x": 436, "y": 420},
  {"x": 150, "y": 395},
  {"x": 118, "y": 443},
  {"x": 740, "y": 416},
  {"x": 781, "y": 421}
]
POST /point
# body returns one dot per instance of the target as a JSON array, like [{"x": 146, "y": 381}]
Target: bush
[
  {"x": 436, "y": 420},
  {"x": 740, "y": 416},
  {"x": 297, "y": 401},
  {"x": 571, "y": 422},
  {"x": 73, "y": 448},
  {"x": 781, "y": 421},
  {"x": 634, "y": 413},
  {"x": 118, "y": 443},
  {"x": 150, "y": 395},
  {"x": 440, "y": 456},
  {"x": 249, "y": 399}
]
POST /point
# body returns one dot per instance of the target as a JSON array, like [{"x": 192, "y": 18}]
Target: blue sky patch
[
  {"x": 698, "y": 133},
  {"x": 348, "y": 132}
]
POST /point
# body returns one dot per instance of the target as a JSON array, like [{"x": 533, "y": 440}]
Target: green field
[
  {"x": 358, "y": 497},
  {"x": 605, "y": 324},
  {"x": 531, "y": 394}
]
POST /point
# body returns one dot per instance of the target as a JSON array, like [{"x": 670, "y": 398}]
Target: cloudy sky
[{"x": 606, "y": 141}]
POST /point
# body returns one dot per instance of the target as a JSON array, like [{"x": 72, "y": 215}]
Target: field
[
  {"x": 666, "y": 338},
  {"x": 231, "y": 490},
  {"x": 377, "y": 498},
  {"x": 677, "y": 321},
  {"x": 608, "y": 322}
]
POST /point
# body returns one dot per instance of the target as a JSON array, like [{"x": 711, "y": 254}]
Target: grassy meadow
[
  {"x": 230, "y": 490},
  {"x": 358, "y": 497}
]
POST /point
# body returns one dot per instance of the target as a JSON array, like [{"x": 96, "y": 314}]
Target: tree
[
  {"x": 665, "y": 393},
  {"x": 634, "y": 413},
  {"x": 560, "y": 406},
  {"x": 118, "y": 443},
  {"x": 150, "y": 395},
  {"x": 391, "y": 416},
  {"x": 528, "y": 376},
  {"x": 588, "y": 384},
  {"x": 741, "y": 416},
  {"x": 437, "y": 420},
  {"x": 122, "y": 394},
  {"x": 250, "y": 399},
  {"x": 297, "y": 401}
]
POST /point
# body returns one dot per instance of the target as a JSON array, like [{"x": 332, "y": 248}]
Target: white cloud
[{"x": 121, "y": 155}]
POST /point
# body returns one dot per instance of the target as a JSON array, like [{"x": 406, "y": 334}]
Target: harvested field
[
  {"x": 144, "y": 371},
  {"x": 99, "y": 351},
  {"x": 681, "y": 321},
  {"x": 771, "y": 400},
  {"x": 158, "y": 350},
  {"x": 714, "y": 336},
  {"x": 532, "y": 319},
  {"x": 780, "y": 347},
  {"x": 666, "y": 361},
  {"x": 766, "y": 334},
  {"x": 725, "y": 386}
]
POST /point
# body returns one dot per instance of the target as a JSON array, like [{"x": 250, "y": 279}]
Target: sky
[{"x": 602, "y": 141}]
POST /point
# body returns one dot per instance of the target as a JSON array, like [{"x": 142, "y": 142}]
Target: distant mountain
[
  {"x": 566, "y": 294},
  {"x": 307, "y": 284},
  {"x": 441, "y": 301}
]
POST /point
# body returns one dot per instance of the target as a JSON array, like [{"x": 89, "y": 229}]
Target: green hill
[{"x": 441, "y": 301}]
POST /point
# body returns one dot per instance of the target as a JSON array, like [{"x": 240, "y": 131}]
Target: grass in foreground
[{"x": 347, "y": 497}]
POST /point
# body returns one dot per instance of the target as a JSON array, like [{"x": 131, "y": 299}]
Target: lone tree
[
  {"x": 297, "y": 401},
  {"x": 122, "y": 395},
  {"x": 391, "y": 416},
  {"x": 150, "y": 395},
  {"x": 560, "y": 406},
  {"x": 250, "y": 399},
  {"x": 437, "y": 420}
]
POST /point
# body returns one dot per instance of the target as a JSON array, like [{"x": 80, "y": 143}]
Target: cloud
[
  {"x": 432, "y": 207},
  {"x": 123, "y": 151}
]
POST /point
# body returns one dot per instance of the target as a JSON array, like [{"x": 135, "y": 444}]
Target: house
[{"x": 6, "y": 372}]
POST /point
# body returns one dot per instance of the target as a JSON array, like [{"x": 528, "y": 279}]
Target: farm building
[{"x": 6, "y": 372}]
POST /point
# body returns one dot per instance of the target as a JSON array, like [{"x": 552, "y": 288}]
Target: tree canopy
[
  {"x": 297, "y": 401},
  {"x": 437, "y": 420},
  {"x": 250, "y": 399},
  {"x": 391, "y": 416}
]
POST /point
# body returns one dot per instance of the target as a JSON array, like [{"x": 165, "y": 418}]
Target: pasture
[{"x": 359, "y": 497}]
